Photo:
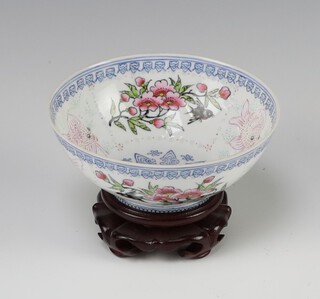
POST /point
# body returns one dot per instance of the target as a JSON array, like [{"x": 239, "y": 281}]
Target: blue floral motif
[
  {"x": 122, "y": 68},
  {"x": 241, "y": 81},
  {"x": 72, "y": 90},
  {"x": 186, "y": 66},
  {"x": 143, "y": 159},
  {"x": 159, "y": 65},
  {"x": 249, "y": 86},
  {"x": 173, "y": 65},
  {"x": 210, "y": 69},
  {"x": 100, "y": 76},
  {"x": 169, "y": 158},
  {"x": 198, "y": 67},
  {"x": 231, "y": 77},
  {"x": 221, "y": 73},
  {"x": 65, "y": 95},
  {"x": 80, "y": 83},
  {"x": 147, "y": 66},
  {"x": 110, "y": 72},
  {"x": 134, "y": 67},
  {"x": 89, "y": 79},
  {"x": 59, "y": 101},
  {"x": 154, "y": 153},
  {"x": 257, "y": 92},
  {"x": 187, "y": 157}
]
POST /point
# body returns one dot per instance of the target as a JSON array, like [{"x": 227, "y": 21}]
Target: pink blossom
[
  {"x": 189, "y": 194},
  {"x": 173, "y": 101},
  {"x": 166, "y": 194},
  {"x": 224, "y": 92},
  {"x": 161, "y": 88},
  {"x": 140, "y": 81},
  {"x": 125, "y": 97},
  {"x": 128, "y": 182},
  {"x": 148, "y": 102},
  {"x": 101, "y": 175},
  {"x": 202, "y": 87},
  {"x": 158, "y": 122},
  {"x": 132, "y": 111},
  {"x": 208, "y": 179}
]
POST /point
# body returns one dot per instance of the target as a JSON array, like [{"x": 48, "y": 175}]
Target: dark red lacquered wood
[{"x": 192, "y": 234}]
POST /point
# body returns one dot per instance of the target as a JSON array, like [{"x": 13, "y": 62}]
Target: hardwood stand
[{"x": 192, "y": 233}]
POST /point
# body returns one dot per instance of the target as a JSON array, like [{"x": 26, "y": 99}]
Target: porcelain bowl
[{"x": 163, "y": 132}]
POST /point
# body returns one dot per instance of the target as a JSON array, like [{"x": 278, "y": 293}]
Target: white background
[{"x": 49, "y": 246}]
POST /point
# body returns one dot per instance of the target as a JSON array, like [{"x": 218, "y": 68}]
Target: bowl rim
[{"x": 157, "y": 166}]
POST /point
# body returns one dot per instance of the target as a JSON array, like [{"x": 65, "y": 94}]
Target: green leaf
[
  {"x": 133, "y": 90},
  {"x": 146, "y": 191},
  {"x": 132, "y": 127},
  {"x": 113, "y": 108},
  {"x": 172, "y": 82},
  {"x": 188, "y": 98},
  {"x": 177, "y": 85},
  {"x": 120, "y": 125},
  {"x": 152, "y": 189},
  {"x": 140, "y": 124},
  {"x": 184, "y": 88},
  {"x": 129, "y": 93},
  {"x": 213, "y": 185},
  {"x": 113, "y": 180}
]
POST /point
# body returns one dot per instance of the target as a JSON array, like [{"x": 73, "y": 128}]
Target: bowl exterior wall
[{"x": 163, "y": 189}]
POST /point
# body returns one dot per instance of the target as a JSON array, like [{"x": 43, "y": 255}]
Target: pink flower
[
  {"x": 125, "y": 97},
  {"x": 128, "y": 182},
  {"x": 166, "y": 194},
  {"x": 224, "y": 92},
  {"x": 132, "y": 111},
  {"x": 148, "y": 102},
  {"x": 161, "y": 88},
  {"x": 158, "y": 122},
  {"x": 140, "y": 81},
  {"x": 189, "y": 194},
  {"x": 173, "y": 101},
  {"x": 101, "y": 175},
  {"x": 202, "y": 87},
  {"x": 208, "y": 179}
]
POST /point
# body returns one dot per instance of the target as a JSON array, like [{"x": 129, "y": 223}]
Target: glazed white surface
[{"x": 49, "y": 246}]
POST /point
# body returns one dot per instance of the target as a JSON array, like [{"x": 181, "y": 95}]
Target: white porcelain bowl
[{"x": 163, "y": 132}]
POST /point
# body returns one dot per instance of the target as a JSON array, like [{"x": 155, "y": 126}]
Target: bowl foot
[{"x": 191, "y": 234}]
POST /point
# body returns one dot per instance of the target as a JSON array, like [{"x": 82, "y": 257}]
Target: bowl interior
[{"x": 163, "y": 110}]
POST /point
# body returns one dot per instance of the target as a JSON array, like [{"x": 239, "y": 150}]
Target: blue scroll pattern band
[{"x": 110, "y": 70}]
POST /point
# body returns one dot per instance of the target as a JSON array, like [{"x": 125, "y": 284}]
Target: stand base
[{"x": 192, "y": 234}]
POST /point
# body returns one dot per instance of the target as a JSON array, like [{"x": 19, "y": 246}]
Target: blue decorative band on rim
[{"x": 110, "y": 70}]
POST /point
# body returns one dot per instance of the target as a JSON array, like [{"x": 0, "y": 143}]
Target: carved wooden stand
[{"x": 192, "y": 234}]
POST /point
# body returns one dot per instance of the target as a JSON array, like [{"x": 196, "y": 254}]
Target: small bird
[{"x": 199, "y": 113}]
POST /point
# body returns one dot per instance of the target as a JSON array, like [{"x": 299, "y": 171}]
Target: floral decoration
[
  {"x": 166, "y": 195},
  {"x": 146, "y": 105}
]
